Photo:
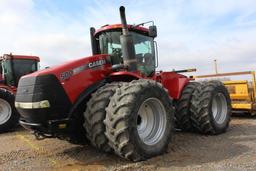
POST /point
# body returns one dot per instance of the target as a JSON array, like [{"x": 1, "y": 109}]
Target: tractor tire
[
  {"x": 95, "y": 114},
  {"x": 183, "y": 113},
  {"x": 140, "y": 120},
  {"x": 9, "y": 116},
  {"x": 211, "y": 108}
]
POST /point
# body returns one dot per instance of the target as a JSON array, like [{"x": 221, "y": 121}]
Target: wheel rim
[
  {"x": 219, "y": 108},
  {"x": 5, "y": 111},
  {"x": 151, "y": 121}
]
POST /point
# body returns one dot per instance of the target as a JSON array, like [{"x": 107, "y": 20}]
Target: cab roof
[
  {"x": 135, "y": 28},
  {"x": 10, "y": 56}
]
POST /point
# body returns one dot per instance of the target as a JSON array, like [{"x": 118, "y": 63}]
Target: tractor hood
[
  {"x": 73, "y": 77},
  {"x": 50, "y": 94},
  {"x": 60, "y": 71}
]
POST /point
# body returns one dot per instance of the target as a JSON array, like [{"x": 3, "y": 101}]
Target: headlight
[{"x": 33, "y": 105}]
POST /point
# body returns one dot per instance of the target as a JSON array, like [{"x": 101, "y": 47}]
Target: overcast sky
[{"x": 191, "y": 33}]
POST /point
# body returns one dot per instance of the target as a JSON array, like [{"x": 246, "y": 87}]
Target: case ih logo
[
  {"x": 96, "y": 63},
  {"x": 67, "y": 74}
]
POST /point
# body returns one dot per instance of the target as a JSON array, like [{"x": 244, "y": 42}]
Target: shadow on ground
[{"x": 186, "y": 149}]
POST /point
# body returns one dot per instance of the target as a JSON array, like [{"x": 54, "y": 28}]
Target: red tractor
[
  {"x": 116, "y": 99},
  {"x": 12, "y": 68}
]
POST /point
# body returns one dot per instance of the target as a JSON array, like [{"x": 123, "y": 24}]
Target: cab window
[{"x": 109, "y": 43}]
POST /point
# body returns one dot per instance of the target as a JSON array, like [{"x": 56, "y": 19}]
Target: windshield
[
  {"x": 14, "y": 69},
  {"x": 109, "y": 43}
]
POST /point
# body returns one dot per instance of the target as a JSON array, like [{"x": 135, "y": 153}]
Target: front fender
[{"x": 85, "y": 95}]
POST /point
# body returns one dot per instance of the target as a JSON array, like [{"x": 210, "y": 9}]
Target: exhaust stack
[{"x": 127, "y": 44}]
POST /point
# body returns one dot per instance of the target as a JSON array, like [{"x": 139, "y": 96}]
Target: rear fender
[{"x": 173, "y": 82}]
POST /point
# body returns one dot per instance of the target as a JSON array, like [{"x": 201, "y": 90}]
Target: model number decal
[{"x": 67, "y": 74}]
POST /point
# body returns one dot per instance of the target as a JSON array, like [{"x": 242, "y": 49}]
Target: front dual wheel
[
  {"x": 139, "y": 120},
  {"x": 151, "y": 121}
]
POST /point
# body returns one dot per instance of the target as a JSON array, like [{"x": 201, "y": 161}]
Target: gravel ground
[{"x": 234, "y": 150}]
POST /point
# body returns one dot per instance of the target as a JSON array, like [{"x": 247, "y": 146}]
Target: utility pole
[{"x": 216, "y": 66}]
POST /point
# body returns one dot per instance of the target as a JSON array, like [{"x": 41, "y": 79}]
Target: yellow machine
[{"x": 242, "y": 92}]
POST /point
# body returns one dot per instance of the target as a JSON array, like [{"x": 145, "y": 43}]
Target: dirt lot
[{"x": 235, "y": 150}]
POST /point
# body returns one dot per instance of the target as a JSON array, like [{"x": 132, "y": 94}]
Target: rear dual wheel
[
  {"x": 183, "y": 113},
  {"x": 211, "y": 108}
]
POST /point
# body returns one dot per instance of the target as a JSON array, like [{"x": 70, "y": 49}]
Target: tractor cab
[
  {"x": 13, "y": 67},
  {"x": 107, "y": 40}
]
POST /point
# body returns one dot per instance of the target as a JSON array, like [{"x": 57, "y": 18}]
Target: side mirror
[
  {"x": 93, "y": 41},
  {"x": 152, "y": 31}
]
